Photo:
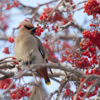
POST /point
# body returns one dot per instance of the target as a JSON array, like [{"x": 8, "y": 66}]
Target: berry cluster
[
  {"x": 68, "y": 91},
  {"x": 46, "y": 46},
  {"x": 39, "y": 30},
  {"x": 1, "y": 18},
  {"x": 55, "y": 28},
  {"x": 92, "y": 8},
  {"x": 3, "y": 21},
  {"x": 55, "y": 17},
  {"x": 85, "y": 58},
  {"x": 15, "y": 4},
  {"x": 63, "y": 59},
  {"x": 44, "y": 16},
  {"x": 93, "y": 36},
  {"x": 20, "y": 92},
  {"x": 82, "y": 92},
  {"x": 66, "y": 44},
  {"x": 88, "y": 83},
  {"x": 5, "y": 83},
  {"x": 94, "y": 25},
  {"x": 66, "y": 52},
  {"x": 71, "y": 2},
  {"x": 93, "y": 71},
  {"x": 48, "y": 9},
  {"x": 68, "y": 19},
  {"x": 6, "y": 50},
  {"x": 10, "y": 39},
  {"x": 81, "y": 62}
]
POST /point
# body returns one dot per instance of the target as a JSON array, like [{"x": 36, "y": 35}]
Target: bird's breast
[{"x": 24, "y": 46}]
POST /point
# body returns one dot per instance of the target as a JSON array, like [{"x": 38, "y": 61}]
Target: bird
[{"x": 27, "y": 41}]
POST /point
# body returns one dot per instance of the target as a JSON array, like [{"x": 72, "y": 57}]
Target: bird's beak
[{"x": 33, "y": 30}]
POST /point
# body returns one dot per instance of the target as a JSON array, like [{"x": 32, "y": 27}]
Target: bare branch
[
  {"x": 78, "y": 9},
  {"x": 4, "y": 38},
  {"x": 79, "y": 3},
  {"x": 6, "y": 73},
  {"x": 5, "y": 65}
]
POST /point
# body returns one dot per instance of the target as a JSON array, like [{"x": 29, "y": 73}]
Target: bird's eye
[{"x": 32, "y": 30}]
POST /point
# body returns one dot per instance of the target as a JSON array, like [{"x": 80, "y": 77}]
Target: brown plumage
[{"x": 25, "y": 42}]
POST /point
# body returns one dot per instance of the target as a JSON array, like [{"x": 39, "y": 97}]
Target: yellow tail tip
[{"x": 48, "y": 83}]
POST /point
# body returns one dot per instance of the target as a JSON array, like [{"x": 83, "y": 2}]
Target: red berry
[
  {"x": 26, "y": 20},
  {"x": 11, "y": 6},
  {"x": 28, "y": 94},
  {"x": 6, "y": 50},
  {"x": 18, "y": 3},
  {"x": 14, "y": 2},
  {"x": 10, "y": 39},
  {"x": 46, "y": 40},
  {"x": 19, "y": 25},
  {"x": 5, "y": 86},
  {"x": 67, "y": 91},
  {"x": 27, "y": 89},
  {"x": 86, "y": 72},
  {"x": 66, "y": 51},
  {"x": 7, "y": 8}
]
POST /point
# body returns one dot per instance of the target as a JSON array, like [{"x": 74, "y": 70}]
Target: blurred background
[{"x": 14, "y": 16}]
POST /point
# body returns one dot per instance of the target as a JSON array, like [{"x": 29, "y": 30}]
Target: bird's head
[{"x": 27, "y": 27}]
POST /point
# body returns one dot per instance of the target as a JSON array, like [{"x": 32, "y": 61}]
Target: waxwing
[{"x": 27, "y": 41}]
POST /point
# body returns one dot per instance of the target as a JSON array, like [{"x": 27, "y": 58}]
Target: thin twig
[
  {"x": 34, "y": 13},
  {"x": 55, "y": 80},
  {"x": 5, "y": 65},
  {"x": 6, "y": 58},
  {"x": 33, "y": 93},
  {"x": 8, "y": 61},
  {"x": 6, "y": 73},
  {"x": 79, "y": 3},
  {"x": 78, "y": 9}
]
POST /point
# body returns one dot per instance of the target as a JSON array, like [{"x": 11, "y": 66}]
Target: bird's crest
[{"x": 29, "y": 26}]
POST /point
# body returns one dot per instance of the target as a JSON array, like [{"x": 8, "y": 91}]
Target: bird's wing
[
  {"x": 42, "y": 51},
  {"x": 40, "y": 45},
  {"x": 49, "y": 68}
]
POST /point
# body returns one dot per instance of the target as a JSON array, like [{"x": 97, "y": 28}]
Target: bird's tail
[{"x": 43, "y": 72}]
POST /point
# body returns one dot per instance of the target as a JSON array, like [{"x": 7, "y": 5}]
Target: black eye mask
[
  {"x": 28, "y": 28},
  {"x": 33, "y": 30}
]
